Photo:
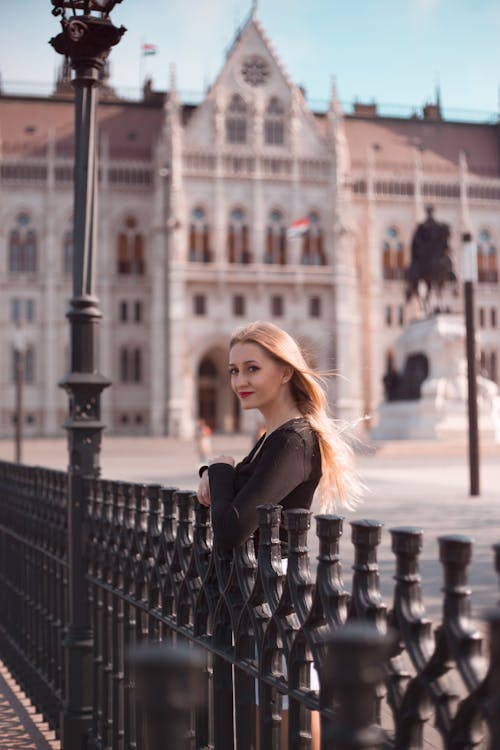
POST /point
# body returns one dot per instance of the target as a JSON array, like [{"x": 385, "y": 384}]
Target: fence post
[
  {"x": 86, "y": 40},
  {"x": 169, "y": 686},
  {"x": 354, "y": 665}
]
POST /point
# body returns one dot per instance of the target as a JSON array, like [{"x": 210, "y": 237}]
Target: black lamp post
[
  {"x": 86, "y": 40},
  {"x": 469, "y": 271}
]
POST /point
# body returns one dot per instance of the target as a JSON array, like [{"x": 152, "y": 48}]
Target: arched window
[
  {"x": 236, "y": 120},
  {"x": 68, "y": 251},
  {"x": 393, "y": 255},
  {"x": 487, "y": 259},
  {"x": 312, "y": 247},
  {"x": 28, "y": 365},
  {"x": 274, "y": 123},
  {"x": 237, "y": 238},
  {"x": 23, "y": 246},
  {"x": 207, "y": 369},
  {"x": 275, "y": 239},
  {"x": 130, "y": 248},
  {"x": 199, "y": 237}
]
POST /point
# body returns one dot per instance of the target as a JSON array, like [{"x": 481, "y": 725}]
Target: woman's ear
[{"x": 287, "y": 374}]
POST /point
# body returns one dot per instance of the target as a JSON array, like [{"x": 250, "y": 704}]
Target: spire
[
  {"x": 173, "y": 95},
  {"x": 253, "y": 12},
  {"x": 438, "y": 96},
  {"x": 63, "y": 85},
  {"x": 334, "y": 104},
  {"x": 173, "y": 78}
]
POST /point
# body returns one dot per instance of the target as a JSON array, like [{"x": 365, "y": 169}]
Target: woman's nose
[{"x": 241, "y": 379}]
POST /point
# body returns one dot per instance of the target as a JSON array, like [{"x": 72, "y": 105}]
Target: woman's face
[{"x": 256, "y": 378}]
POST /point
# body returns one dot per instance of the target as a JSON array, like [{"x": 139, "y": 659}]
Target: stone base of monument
[{"x": 441, "y": 412}]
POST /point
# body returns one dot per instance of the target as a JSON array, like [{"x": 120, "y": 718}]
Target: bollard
[
  {"x": 494, "y": 679},
  {"x": 354, "y": 665},
  {"x": 168, "y": 690}
]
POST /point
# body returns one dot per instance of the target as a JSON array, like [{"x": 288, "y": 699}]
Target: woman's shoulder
[
  {"x": 298, "y": 438},
  {"x": 297, "y": 430}
]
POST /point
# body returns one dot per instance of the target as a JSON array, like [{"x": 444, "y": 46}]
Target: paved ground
[
  {"x": 413, "y": 483},
  {"x": 21, "y": 728}
]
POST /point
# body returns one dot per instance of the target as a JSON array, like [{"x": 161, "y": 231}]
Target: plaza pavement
[{"x": 410, "y": 483}]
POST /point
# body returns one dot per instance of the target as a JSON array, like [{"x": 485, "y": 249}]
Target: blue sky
[{"x": 393, "y": 51}]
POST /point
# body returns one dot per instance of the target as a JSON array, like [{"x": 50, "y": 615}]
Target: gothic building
[{"x": 194, "y": 205}]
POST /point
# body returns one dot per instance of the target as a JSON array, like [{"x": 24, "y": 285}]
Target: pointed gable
[{"x": 254, "y": 77}]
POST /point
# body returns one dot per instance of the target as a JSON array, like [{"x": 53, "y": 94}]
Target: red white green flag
[
  {"x": 298, "y": 227},
  {"x": 149, "y": 49}
]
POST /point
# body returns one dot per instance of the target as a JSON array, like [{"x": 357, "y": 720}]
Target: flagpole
[{"x": 141, "y": 66}]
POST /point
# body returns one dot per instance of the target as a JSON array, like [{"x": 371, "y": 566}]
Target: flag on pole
[
  {"x": 149, "y": 49},
  {"x": 298, "y": 228}
]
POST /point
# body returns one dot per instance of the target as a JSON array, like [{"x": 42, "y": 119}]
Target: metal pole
[
  {"x": 86, "y": 40},
  {"x": 469, "y": 273},
  {"x": 19, "y": 354},
  {"x": 472, "y": 389}
]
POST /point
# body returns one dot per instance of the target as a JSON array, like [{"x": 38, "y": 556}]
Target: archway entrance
[
  {"x": 207, "y": 391},
  {"x": 215, "y": 400}
]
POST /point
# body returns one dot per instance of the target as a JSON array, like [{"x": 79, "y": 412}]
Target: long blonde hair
[{"x": 339, "y": 484}]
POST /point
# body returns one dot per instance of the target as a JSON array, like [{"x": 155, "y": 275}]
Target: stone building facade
[{"x": 194, "y": 204}]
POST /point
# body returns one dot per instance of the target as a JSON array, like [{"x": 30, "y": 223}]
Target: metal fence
[{"x": 154, "y": 576}]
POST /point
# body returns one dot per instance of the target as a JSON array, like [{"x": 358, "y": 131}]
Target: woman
[{"x": 300, "y": 451}]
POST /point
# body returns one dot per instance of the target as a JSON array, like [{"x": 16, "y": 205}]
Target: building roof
[
  {"x": 133, "y": 128},
  {"x": 439, "y": 142},
  {"x": 26, "y": 123}
]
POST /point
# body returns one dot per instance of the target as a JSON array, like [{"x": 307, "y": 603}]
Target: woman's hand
[
  {"x": 204, "y": 490},
  {"x": 222, "y": 460}
]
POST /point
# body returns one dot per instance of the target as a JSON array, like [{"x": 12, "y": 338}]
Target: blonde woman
[{"x": 300, "y": 451}]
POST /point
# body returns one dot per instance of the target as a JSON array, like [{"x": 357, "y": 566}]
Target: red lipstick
[{"x": 245, "y": 394}]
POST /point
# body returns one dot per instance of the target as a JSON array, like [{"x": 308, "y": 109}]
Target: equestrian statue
[{"x": 431, "y": 266}]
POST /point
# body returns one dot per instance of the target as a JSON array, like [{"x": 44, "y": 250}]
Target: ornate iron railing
[
  {"x": 154, "y": 576},
  {"x": 33, "y": 581}
]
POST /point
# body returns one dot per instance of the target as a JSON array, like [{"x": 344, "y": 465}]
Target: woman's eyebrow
[{"x": 247, "y": 362}]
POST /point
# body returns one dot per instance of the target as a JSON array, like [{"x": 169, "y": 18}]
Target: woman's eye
[
  {"x": 233, "y": 372},
  {"x": 252, "y": 368}
]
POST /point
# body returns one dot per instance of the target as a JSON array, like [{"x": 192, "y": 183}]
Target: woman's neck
[{"x": 278, "y": 415}]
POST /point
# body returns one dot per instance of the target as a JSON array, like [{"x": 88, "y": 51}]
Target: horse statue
[{"x": 430, "y": 260}]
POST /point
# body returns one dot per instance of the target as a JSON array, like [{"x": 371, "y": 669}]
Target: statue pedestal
[{"x": 441, "y": 411}]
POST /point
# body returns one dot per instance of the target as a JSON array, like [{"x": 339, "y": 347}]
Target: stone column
[
  {"x": 179, "y": 420},
  {"x": 347, "y": 323},
  {"x": 220, "y": 207},
  {"x": 297, "y": 209},
  {"x": 259, "y": 213},
  {"x": 51, "y": 264},
  {"x": 371, "y": 297},
  {"x": 157, "y": 242},
  {"x": 107, "y": 259}
]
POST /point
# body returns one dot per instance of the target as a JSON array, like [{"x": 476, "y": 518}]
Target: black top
[{"x": 286, "y": 471}]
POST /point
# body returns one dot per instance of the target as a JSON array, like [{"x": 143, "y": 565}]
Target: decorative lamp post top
[
  {"x": 86, "y": 39},
  {"x": 104, "y": 7}
]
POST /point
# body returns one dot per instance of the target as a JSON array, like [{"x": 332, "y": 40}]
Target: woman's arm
[{"x": 279, "y": 468}]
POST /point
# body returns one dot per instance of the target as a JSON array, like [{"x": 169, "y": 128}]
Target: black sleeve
[{"x": 279, "y": 469}]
